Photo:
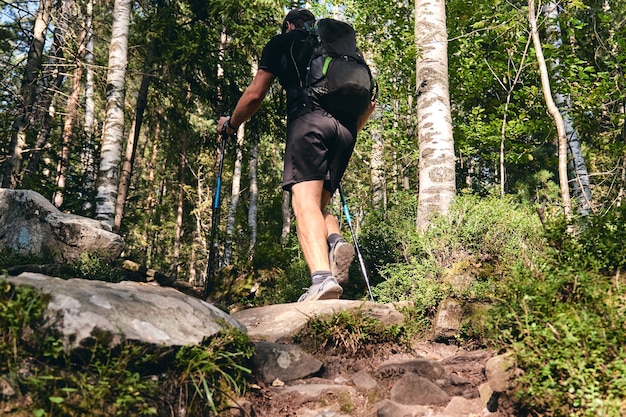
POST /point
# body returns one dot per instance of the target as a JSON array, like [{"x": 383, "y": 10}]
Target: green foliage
[
  {"x": 211, "y": 371},
  {"x": 597, "y": 244},
  {"x": 564, "y": 318},
  {"x": 481, "y": 237},
  {"x": 91, "y": 266},
  {"x": 20, "y": 308},
  {"x": 345, "y": 332}
]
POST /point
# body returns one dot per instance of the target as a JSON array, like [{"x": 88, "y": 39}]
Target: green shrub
[
  {"x": 596, "y": 245},
  {"x": 481, "y": 238},
  {"x": 210, "y": 372},
  {"x": 347, "y": 332},
  {"x": 20, "y": 309},
  {"x": 564, "y": 318}
]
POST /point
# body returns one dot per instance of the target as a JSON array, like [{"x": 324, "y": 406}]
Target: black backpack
[{"x": 338, "y": 78}]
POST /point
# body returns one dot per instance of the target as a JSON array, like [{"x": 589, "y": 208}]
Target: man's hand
[{"x": 220, "y": 126}]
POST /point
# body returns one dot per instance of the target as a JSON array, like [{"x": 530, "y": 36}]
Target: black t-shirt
[{"x": 287, "y": 56}]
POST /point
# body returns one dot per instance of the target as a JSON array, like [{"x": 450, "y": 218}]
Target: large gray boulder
[
  {"x": 31, "y": 225},
  {"x": 84, "y": 310}
]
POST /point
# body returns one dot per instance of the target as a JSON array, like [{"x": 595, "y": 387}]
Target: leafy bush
[
  {"x": 480, "y": 237},
  {"x": 596, "y": 245},
  {"x": 20, "y": 308},
  {"x": 564, "y": 318}
]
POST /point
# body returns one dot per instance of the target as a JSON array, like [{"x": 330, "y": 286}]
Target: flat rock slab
[
  {"x": 82, "y": 309},
  {"x": 278, "y": 323}
]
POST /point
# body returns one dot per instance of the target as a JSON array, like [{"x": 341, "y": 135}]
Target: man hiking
[{"x": 318, "y": 148}]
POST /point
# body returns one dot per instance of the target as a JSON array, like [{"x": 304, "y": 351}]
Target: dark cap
[{"x": 297, "y": 14}]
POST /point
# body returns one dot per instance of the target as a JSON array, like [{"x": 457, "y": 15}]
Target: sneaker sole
[{"x": 340, "y": 264}]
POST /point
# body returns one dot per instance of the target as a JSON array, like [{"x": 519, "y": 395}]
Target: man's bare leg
[
  {"x": 341, "y": 252},
  {"x": 308, "y": 200}
]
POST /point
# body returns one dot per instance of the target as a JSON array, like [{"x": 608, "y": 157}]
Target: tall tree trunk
[
  {"x": 234, "y": 198},
  {"x": 133, "y": 139},
  {"x": 377, "y": 164},
  {"x": 286, "y": 214},
  {"x": 88, "y": 151},
  {"x": 202, "y": 199},
  {"x": 27, "y": 96},
  {"x": 68, "y": 131},
  {"x": 181, "y": 200},
  {"x": 437, "y": 186},
  {"x": 52, "y": 83},
  {"x": 581, "y": 188},
  {"x": 254, "y": 188},
  {"x": 113, "y": 134},
  {"x": 553, "y": 110},
  {"x": 71, "y": 110},
  {"x": 151, "y": 198}
]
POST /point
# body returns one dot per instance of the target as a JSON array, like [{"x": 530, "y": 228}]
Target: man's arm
[
  {"x": 362, "y": 119},
  {"x": 249, "y": 102}
]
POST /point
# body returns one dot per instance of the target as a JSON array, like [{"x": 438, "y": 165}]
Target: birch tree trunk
[
  {"x": 113, "y": 134},
  {"x": 286, "y": 214},
  {"x": 235, "y": 191},
  {"x": 254, "y": 189},
  {"x": 580, "y": 183},
  {"x": 87, "y": 157},
  {"x": 377, "y": 164},
  {"x": 28, "y": 96},
  {"x": 202, "y": 197},
  {"x": 437, "y": 186},
  {"x": 553, "y": 110}
]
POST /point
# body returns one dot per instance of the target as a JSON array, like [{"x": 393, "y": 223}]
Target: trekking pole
[
  {"x": 356, "y": 244},
  {"x": 210, "y": 269}
]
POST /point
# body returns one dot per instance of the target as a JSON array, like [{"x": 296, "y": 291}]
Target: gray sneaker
[
  {"x": 328, "y": 289},
  {"x": 341, "y": 256}
]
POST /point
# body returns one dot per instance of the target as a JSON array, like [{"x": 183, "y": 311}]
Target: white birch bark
[
  {"x": 286, "y": 214},
  {"x": 377, "y": 163},
  {"x": 113, "y": 135},
  {"x": 88, "y": 157},
  {"x": 580, "y": 183},
  {"x": 235, "y": 191},
  {"x": 254, "y": 192},
  {"x": 437, "y": 186},
  {"x": 553, "y": 110}
]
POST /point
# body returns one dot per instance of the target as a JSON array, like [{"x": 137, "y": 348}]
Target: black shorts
[{"x": 318, "y": 148}]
